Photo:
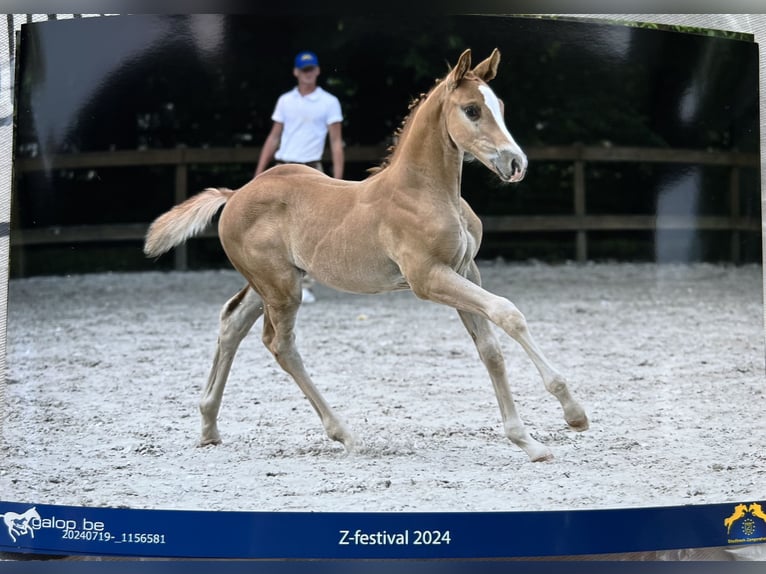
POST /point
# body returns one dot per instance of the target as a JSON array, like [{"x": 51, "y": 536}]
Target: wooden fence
[{"x": 579, "y": 222}]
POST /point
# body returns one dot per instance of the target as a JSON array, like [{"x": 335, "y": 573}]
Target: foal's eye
[{"x": 473, "y": 112}]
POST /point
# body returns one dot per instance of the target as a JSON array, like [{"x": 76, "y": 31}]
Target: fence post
[
  {"x": 181, "y": 252},
  {"x": 579, "y": 208},
  {"x": 11, "y": 36},
  {"x": 734, "y": 211}
]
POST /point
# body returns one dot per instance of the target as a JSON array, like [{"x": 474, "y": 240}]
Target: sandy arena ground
[{"x": 105, "y": 371}]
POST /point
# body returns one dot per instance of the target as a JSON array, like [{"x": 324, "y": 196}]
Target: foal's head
[{"x": 474, "y": 117}]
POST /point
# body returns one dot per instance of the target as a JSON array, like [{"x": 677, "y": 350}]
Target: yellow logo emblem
[{"x": 746, "y": 524}]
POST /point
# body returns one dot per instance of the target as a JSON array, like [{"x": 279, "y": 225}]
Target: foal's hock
[{"x": 404, "y": 227}]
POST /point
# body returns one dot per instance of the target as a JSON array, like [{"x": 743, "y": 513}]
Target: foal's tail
[{"x": 185, "y": 220}]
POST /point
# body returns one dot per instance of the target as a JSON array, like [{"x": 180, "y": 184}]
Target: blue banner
[
  {"x": 48, "y": 529},
  {"x": 375, "y": 567}
]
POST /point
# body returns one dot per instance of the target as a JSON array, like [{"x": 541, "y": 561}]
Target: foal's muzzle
[{"x": 511, "y": 166}]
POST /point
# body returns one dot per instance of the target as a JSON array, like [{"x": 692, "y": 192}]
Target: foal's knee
[{"x": 509, "y": 318}]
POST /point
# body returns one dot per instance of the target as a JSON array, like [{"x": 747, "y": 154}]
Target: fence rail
[{"x": 579, "y": 222}]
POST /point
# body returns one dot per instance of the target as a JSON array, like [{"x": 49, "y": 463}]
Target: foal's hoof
[
  {"x": 580, "y": 424},
  {"x": 339, "y": 432},
  {"x": 545, "y": 457},
  {"x": 576, "y": 418},
  {"x": 209, "y": 441},
  {"x": 538, "y": 452},
  {"x": 350, "y": 444}
]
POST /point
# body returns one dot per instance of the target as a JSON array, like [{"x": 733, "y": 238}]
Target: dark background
[{"x": 199, "y": 81}]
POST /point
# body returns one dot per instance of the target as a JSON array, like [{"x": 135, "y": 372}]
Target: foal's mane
[{"x": 403, "y": 127}]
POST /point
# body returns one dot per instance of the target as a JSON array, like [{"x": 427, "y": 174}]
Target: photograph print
[{"x": 538, "y": 285}]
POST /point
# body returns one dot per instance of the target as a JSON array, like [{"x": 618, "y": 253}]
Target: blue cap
[{"x": 306, "y": 59}]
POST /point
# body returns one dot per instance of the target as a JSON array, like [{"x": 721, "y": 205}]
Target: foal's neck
[{"x": 426, "y": 155}]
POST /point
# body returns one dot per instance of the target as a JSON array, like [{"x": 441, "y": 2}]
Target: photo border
[{"x": 702, "y": 537}]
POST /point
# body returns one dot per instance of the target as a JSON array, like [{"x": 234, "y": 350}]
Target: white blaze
[{"x": 494, "y": 106}]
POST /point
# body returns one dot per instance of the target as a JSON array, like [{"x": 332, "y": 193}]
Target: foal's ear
[
  {"x": 460, "y": 70},
  {"x": 487, "y": 69}
]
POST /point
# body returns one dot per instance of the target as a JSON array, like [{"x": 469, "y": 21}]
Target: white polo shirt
[{"x": 305, "y": 120}]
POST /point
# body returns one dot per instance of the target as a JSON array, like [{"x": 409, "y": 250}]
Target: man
[{"x": 303, "y": 117}]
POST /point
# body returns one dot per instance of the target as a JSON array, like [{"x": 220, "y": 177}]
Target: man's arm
[
  {"x": 336, "y": 148},
  {"x": 270, "y": 147}
]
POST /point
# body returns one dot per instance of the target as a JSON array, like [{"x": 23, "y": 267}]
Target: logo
[
  {"x": 746, "y": 524},
  {"x": 19, "y": 524}
]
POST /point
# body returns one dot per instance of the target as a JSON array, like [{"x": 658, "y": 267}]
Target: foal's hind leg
[
  {"x": 279, "y": 338},
  {"x": 237, "y": 318}
]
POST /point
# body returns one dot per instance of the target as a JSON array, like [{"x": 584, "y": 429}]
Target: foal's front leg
[
  {"x": 443, "y": 285},
  {"x": 492, "y": 357}
]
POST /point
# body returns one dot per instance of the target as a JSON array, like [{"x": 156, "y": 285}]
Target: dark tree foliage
[
  {"x": 199, "y": 81},
  {"x": 206, "y": 80}
]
